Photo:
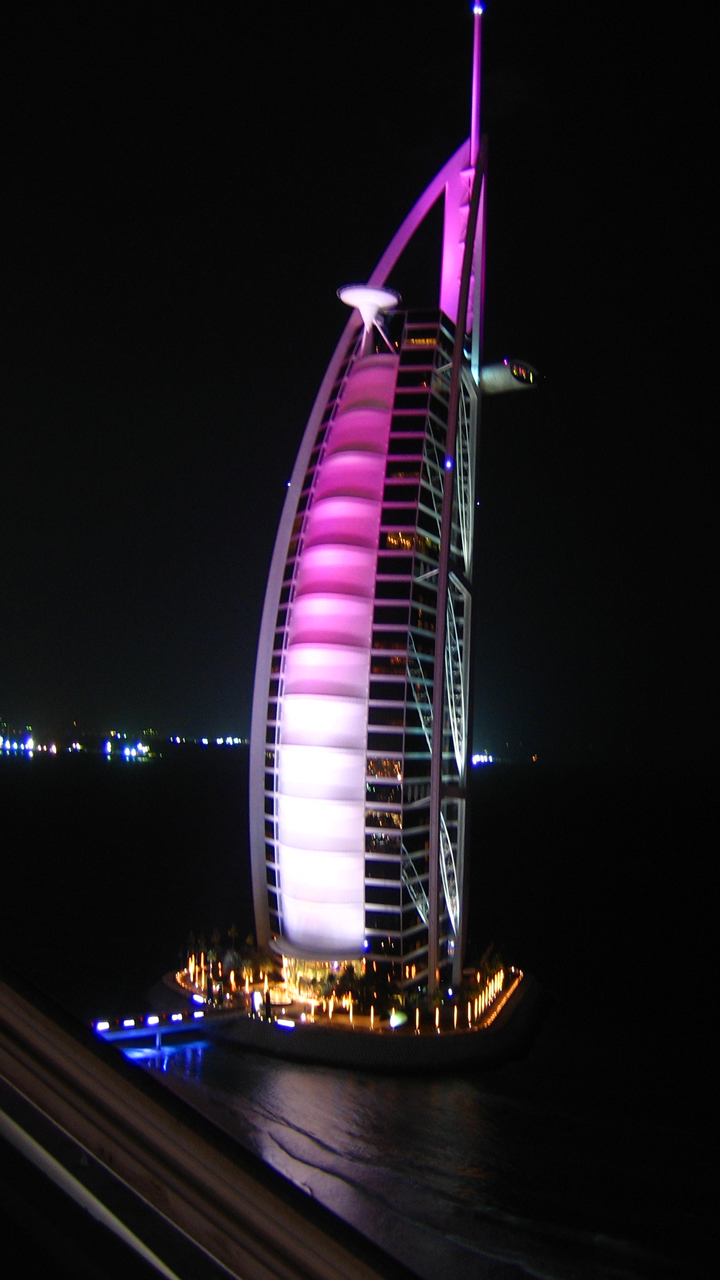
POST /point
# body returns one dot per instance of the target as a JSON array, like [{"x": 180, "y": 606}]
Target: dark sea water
[{"x": 591, "y": 1156}]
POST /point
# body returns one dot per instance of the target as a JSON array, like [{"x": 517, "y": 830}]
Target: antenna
[{"x": 475, "y": 101}]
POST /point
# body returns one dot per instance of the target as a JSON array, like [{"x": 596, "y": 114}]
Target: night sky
[{"x": 186, "y": 186}]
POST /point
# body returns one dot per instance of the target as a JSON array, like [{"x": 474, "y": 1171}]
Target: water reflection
[
  {"x": 189, "y": 1055},
  {"x": 450, "y": 1175}
]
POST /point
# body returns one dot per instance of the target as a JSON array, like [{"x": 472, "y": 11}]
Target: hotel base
[{"x": 504, "y": 1033}]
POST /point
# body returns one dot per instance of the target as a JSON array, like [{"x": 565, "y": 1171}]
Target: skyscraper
[{"x": 360, "y": 731}]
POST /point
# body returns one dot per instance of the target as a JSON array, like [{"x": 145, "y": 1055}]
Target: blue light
[
  {"x": 448, "y": 464},
  {"x": 153, "y": 1020}
]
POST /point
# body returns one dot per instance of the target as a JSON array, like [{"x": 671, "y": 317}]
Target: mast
[{"x": 471, "y": 259}]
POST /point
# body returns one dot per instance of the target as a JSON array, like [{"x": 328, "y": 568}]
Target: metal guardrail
[{"x": 174, "y": 1167}]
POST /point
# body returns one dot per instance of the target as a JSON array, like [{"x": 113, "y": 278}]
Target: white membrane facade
[{"x": 322, "y": 715}]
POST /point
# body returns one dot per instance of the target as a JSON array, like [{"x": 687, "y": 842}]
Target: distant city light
[
  {"x": 481, "y": 757},
  {"x": 153, "y": 1020},
  {"x": 111, "y": 744}
]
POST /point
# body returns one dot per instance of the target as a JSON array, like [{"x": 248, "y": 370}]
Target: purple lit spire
[{"x": 458, "y": 189}]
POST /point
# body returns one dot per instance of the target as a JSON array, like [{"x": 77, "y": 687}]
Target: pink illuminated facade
[{"x": 360, "y": 717}]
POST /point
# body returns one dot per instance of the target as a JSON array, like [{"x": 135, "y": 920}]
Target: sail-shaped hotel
[{"x": 360, "y": 729}]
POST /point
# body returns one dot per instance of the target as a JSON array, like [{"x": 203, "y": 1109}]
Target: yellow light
[
  {"x": 469, "y": 1014},
  {"x": 372, "y": 1017},
  {"x": 417, "y": 1019},
  {"x": 437, "y": 1018},
  {"x": 455, "y": 1018}
]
